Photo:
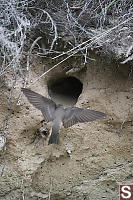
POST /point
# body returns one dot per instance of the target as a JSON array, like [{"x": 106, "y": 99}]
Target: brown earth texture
[{"x": 92, "y": 158}]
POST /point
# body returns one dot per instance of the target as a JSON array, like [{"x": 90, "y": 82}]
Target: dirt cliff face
[{"x": 92, "y": 158}]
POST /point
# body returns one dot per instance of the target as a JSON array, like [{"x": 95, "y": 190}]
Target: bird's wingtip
[
  {"x": 104, "y": 115},
  {"x": 24, "y": 90}
]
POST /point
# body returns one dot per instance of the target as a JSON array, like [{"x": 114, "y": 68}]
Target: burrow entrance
[{"x": 65, "y": 90}]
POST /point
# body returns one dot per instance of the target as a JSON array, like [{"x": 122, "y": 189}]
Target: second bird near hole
[{"x": 58, "y": 115}]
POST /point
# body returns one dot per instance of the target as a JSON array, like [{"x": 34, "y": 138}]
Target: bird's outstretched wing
[
  {"x": 47, "y": 106},
  {"x": 75, "y": 115}
]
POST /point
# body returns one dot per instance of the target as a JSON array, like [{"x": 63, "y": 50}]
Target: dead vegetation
[{"x": 60, "y": 30}]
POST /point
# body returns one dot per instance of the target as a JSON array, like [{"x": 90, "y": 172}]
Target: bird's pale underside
[{"x": 58, "y": 115}]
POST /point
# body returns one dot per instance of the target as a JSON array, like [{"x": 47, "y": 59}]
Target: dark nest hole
[{"x": 65, "y": 90}]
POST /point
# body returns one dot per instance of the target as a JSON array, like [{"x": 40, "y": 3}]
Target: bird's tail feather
[{"x": 54, "y": 138}]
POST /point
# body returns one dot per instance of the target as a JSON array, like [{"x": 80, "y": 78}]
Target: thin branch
[
  {"x": 78, "y": 48},
  {"x": 51, "y": 69},
  {"x": 94, "y": 39}
]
